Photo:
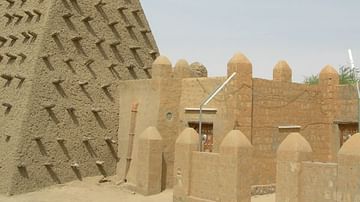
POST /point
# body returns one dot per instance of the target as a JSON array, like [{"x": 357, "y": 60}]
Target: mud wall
[
  {"x": 21, "y": 35},
  {"x": 274, "y": 104},
  {"x": 204, "y": 174},
  {"x": 266, "y": 110},
  {"x": 146, "y": 94},
  {"x": 159, "y": 100},
  {"x": 348, "y": 104},
  {"x": 70, "y": 56},
  {"x": 315, "y": 108},
  {"x": 301, "y": 179},
  {"x": 194, "y": 91},
  {"x": 287, "y": 104},
  {"x": 318, "y": 181}
]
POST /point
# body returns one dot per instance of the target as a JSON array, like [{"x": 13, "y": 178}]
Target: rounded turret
[
  {"x": 282, "y": 72},
  {"x": 161, "y": 67},
  {"x": 295, "y": 142},
  {"x": 182, "y": 69},
  {"x": 329, "y": 75},
  {"x": 239, "y": 63}
]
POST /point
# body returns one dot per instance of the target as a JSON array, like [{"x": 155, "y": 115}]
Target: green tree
[
  {"x": 312, "y": 80},
  {"x": 347, "y": 75}
]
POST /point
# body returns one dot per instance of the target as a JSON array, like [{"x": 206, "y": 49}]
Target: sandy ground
[{"x": 90, "y": 191}]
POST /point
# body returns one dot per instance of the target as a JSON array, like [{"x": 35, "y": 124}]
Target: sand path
[{"x": 90, "y": 191}]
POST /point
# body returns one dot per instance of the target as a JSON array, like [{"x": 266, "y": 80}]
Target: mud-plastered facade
[{"x": 60, "y": 65}]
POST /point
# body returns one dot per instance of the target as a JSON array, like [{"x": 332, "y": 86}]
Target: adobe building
[
  {"x": 60, "y": 64},
  {"x": 80, "y": 89},
  {"x": 298, "y": 177},
  {"x": 266, "y": 111},
  {"x": 301, "y": 179}
]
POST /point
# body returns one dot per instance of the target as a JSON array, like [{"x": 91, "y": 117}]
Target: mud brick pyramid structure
[{"x": 60, "y": 63}]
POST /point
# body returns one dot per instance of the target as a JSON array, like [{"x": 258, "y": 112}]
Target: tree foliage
[
  {"x": 312, "y": 80},
  {"x": 347, "y": 75}
]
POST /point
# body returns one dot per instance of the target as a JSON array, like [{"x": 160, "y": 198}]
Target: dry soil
[{"x": 89, "y": 190}]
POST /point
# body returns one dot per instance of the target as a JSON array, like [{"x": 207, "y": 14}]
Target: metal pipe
[
  {"x": 218, "y": 89},
  {"x": 357, "y": 86},
  {"x": 352, "y": 63},
  {"x": 200, "y": 128},
  {"x": 206, "y": 101},
  {"x": 356, "y": 73}
]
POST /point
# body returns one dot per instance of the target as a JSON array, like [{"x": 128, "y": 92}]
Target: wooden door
[{"x": 207, "y": 129}]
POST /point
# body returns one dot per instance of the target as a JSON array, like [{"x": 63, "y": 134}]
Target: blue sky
[{"x": 308, "y": 34}]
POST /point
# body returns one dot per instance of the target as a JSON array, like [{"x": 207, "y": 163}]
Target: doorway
[
  {"x": 207, "y": 129},
  {"x": 346, "y": 131}
]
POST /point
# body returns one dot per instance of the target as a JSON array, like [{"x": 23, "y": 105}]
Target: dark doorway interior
[
  {"x": 207, "y": 129},
  {"x": 346, "y": 131}
]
